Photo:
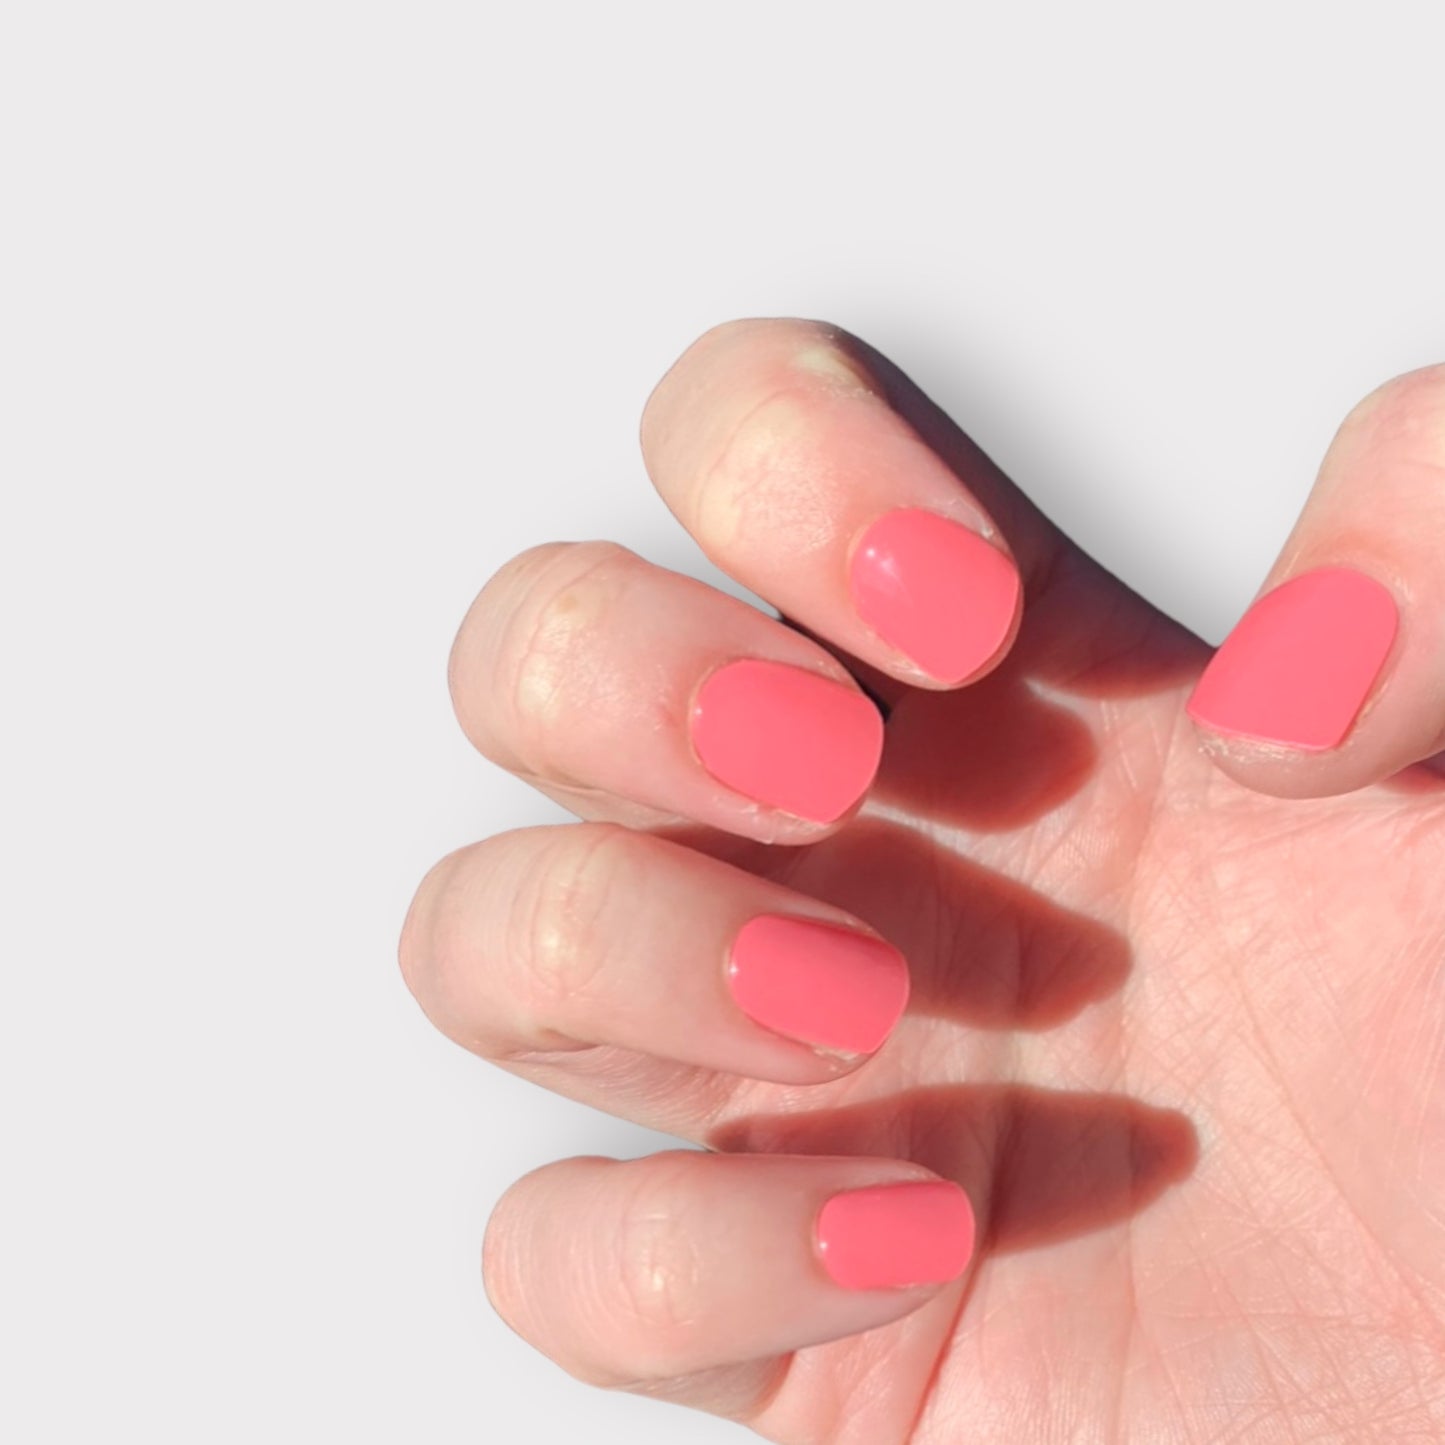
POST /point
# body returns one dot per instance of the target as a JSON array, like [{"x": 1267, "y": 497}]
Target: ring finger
[{"x": 547, "y": 947}]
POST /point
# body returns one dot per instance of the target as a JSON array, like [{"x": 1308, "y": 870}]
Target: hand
[{"x": 1177, "y": 1010}]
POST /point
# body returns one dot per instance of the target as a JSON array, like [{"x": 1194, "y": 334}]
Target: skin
[{"x": 1176, "y": 1020}]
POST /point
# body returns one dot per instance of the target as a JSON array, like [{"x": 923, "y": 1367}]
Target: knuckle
[
  {"x": 530, "y": 631},
  {"x": 416, "y": 951},
  {"x": 660, "y": 1269},
  {"x": 1404, "y": 414},
  {"x": 504, "y": 1264},
  {"x": 736, "y": 437},
  {"x": 410, "y": 948},
  {"x": 509, "y": 940},
  {"x": 550, "y": 660},
  {"x": 438, "y": 949},
  {"x": 743, "y": 345},
  {"x": 770, "y": 485},
  {"x": 480, "y": 639},
  {"x": 558, "y": 920}
]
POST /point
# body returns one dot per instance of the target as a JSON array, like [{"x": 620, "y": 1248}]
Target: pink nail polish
[
  {"x": 1300, "y": 663},
  {"x": 832, "y": 987},
  {"x": 788, "y": 738},
  {"x": 934, "y": 590},
  {"x": 890, "y": 1236}
]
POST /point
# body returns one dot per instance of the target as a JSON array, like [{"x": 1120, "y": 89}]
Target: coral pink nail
[
  {"x": 935, "y": 591},
  {"x": 832, "y": 987},
  {"x": 1300, "y": 663},
  {"x": 787, "y": 738},
  {"x": 890, "y": 1236}
]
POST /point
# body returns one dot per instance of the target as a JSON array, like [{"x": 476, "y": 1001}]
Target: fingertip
[
  {"x": 704, "y": 394},
  {"x": 798, "y": 475}
]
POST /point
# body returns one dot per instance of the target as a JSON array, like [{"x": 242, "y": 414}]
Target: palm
[{"x": 1178, "y": 1040}]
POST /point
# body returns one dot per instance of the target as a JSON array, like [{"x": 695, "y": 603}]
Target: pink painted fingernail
[
  {"x": 934, "y": 590},
  {"x": 890, "y": 1236},
  {"x": 832, "y": 987},
  {"x": 787, "y": 738},
  {"x": 1300, "y": 663}
]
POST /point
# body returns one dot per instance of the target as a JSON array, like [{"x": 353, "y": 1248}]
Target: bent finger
[
  {"x": 1335, "y": 676},
  {"x": 598, "y": 675},
  {"x": 553, "y": 940},
  {"x": 705, "y": 1270},
  {"x": 775, "y": 445}
]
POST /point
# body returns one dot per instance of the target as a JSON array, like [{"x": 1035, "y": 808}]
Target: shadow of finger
[{"x": 1040, "y": 1165}]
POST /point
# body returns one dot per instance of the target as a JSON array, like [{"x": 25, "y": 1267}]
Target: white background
[{"x": 311, "y": 315}]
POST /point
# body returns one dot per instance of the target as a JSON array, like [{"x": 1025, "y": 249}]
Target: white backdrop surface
[{"x": 311, "y": 314}]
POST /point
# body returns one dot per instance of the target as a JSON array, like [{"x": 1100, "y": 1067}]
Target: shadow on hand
[
  {"x": 1003, "y": 752},
  {"x": 1423, "y": 779},
  {"x": 981, "y": 949},
  {"x": 1084, "y": 631},
  {"x": 989, "y": 757},
  {"x": 1039, "y": 1165}
]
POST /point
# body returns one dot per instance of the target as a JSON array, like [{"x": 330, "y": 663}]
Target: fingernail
[
  {"x": 890, "y": 1236},
  {"x": 787, "y": 738},
  {"x": 1300, "y": 663},
  {"x": 832, "y": 987},
  {"x": 935, "y": 591}
]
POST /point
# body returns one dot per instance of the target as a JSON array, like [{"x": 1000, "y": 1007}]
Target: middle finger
[{"x": 636, "y": 694}]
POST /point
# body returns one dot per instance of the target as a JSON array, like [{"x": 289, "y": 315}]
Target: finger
[
  {"x": 1335, "y": 677},
  {"x": 618, "y": 685},
  {"x": 703, "y": 1270},
  {"x": 775, "y": 444},
  {"x": 547, "y": 941}
]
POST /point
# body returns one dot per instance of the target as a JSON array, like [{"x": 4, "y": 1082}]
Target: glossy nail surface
[
  {"x": 890, "y": 1236},
  {"x": 935, "y": 591},
  {"x": 1300, "y": 663},
  {"x": 832, "y": 987},
  {"x": 788, "y": 738}
]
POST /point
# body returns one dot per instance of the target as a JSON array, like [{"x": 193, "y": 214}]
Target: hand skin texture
[{"x": 1175, "y": 1015}]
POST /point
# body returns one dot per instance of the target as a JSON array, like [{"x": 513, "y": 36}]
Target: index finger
[{"x": 776, "y": 448}]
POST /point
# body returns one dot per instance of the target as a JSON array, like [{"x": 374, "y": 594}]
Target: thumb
[{"x": 1335, "y": 676}]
